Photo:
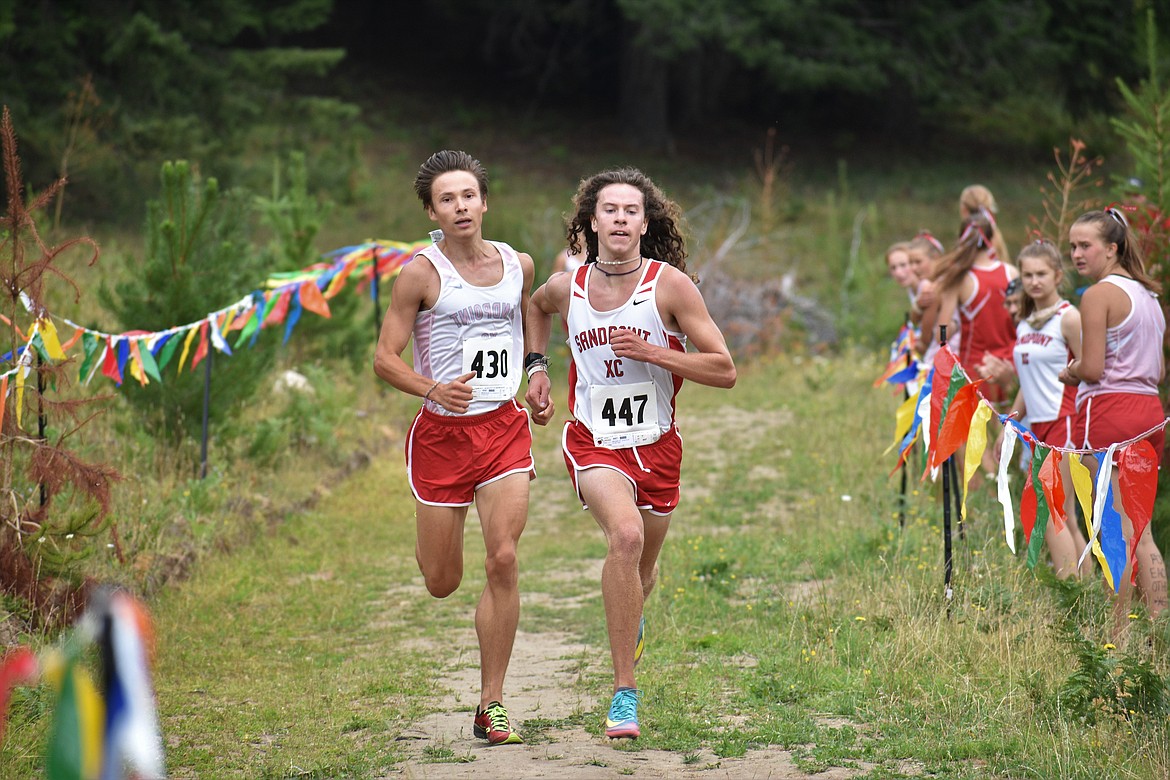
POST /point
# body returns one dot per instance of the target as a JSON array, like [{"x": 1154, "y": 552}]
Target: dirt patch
[{"x": 543, "y": 691}]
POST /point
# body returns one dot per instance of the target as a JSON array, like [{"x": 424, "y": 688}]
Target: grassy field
[{"x": 792, "y": 613}]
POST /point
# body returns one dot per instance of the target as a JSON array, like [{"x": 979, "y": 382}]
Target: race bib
[
  {"x": 624, "y": 415},
  {"x": 493, "y": 363}
]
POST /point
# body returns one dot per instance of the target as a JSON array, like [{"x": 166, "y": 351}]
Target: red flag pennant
[
  {"x": 279, "y": 310},
  {"x": 1028, "y": 508},
  {"x": 957, "y": 424},
  {"x": 1137, "y": 467},
  {"x": 1053, "y": 487},
  {"x": 110, "y": 366},
  {"x": 201, "y": 350},
  {"x": 313, "y": 300}
]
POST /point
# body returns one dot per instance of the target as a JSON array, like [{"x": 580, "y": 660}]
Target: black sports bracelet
[{"x": 532, "y": 358}]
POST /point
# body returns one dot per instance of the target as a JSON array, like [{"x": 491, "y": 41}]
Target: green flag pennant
[
  {"x": 91, "y": 344},
  {"x": 168, "y": 352},
  {"x": 1040, "y": 524},
  {"x": 149, "y": 365},
  {"x": 250, "y": 326}
]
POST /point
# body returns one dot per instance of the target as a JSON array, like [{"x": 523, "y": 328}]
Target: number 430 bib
[
  {"x": 624, "y": 415},
  {"x": 491, "y": 360}
]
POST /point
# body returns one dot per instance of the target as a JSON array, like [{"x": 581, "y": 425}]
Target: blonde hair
[
  {"x": 975, "y": 197},
  {"x": 1046, "y": 251},
  {"x": 900, "y": 246}
]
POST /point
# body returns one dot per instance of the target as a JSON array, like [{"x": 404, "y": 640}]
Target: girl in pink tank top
[{"x": 1121, "y": 364}]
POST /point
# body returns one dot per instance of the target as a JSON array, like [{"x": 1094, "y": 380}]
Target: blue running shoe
[
  {"x": 622, "y": 721},
  {"x": 640, "y": 645}
]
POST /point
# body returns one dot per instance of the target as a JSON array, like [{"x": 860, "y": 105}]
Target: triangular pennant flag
[
  {"x": 1107, "y": 520},
  {"x": 1003, "y": 486},
  {"x": 957, "y": 423},
  {"x": 18, "y": 667},
  {"x": 241, "y": 319},
  {"x": 976, "y": 444},
  {"x": 313, "y": 300},
  {"x": 217, "y": 339},
  {"x": 1053, "y": 488},
  {"x": 903, "y": 418},
  {"x": 187, "y": 347},
  {"x": 75, "y": 738},
  {"x": 1033, "y": 508},
  {"x": 201, "y": 350},
  {"x": 940, "y": 386},
  {"x": 123, "y": 346},
  {"x": 149, "y": 365},
  {"x": 251, "y": 324},
  {"x": 133, "y": 740},
  {"x": 1137, "y": 476},
  {"x": 89, "y": 344},
  {"x": 50, "y": 340},
  {"x": 167, "y": 351},
  {"x": 277, "y": 309},
  {"x": 338, "y": 281},
  {"x": 294, "y": 315},
  {"x": 1082, "y": 483},
  {"x": 110, "y": 365},
  {"x": 136, "y": 364}
]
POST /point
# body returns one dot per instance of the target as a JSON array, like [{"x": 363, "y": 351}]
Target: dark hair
[
  {"x": 447, "y": 161},
  {"x": 975, "y": 237},
  {"x": 1114, "y": 228},
  {"x": 662, "y": 240},
  {"x": 1047, "y": 251}
]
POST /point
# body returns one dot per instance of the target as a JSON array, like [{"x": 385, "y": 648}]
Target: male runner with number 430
[{"x": 463, "y": 300}]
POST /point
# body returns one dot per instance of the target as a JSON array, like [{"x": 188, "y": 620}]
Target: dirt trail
[{"x": 541, "y": 684}]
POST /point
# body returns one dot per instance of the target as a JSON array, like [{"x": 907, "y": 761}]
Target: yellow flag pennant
[
  {"x": 976, "y": 444},
  {"x": 1083, "y": 486},
  {"x": 903, "y": 419},
  {"x": 50, "y": 339},
  {"x": 187, "y": 347}
]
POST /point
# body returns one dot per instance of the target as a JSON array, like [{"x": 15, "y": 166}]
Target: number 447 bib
[
  {"x": 491, "y": 361},
  {"x": 624, "y": 415}
]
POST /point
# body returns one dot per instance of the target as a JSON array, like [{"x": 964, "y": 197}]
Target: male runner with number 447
[
  {"x": 463, "y": 300},
  {"x": 631, "y": 310}
]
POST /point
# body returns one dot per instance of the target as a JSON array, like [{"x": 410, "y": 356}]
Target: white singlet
[
  {"x": 623, "y": 402},
  {"x": 473, "y": 328},
  {"x": 1039, "y": 355}
]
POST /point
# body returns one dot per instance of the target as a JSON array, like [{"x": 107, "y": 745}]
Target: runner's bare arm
[
  {"x": 415, "y": 289},
  {"x": 550, "y": 298},
  {"x": 541, "y": 412},
  {"x": 683, "y": 309}
]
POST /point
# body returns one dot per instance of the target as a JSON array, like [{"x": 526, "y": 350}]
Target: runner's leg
[
  {"x": 610, "y": 497},
  {"x": 503, "y": 511},
  {"x": 438, "y": 546}
]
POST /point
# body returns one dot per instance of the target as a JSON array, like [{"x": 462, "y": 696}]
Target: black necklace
[{"x": 623, "y": 273}]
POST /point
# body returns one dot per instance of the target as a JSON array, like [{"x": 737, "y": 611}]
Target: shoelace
[
  {"x": 625, "y": 706},
  {"x": 499, "y": 718}
]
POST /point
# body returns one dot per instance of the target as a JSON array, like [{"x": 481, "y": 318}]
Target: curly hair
[
  {"x": 447, "y": 161},
  {"x": 1114, "y": 228},
  {"x": 662, "y": 241}
]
